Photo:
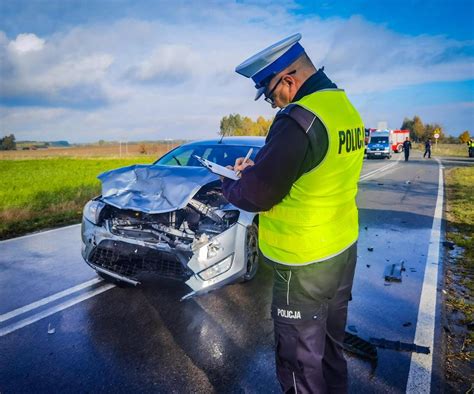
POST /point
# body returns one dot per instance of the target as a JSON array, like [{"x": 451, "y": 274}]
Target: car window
[
  {"x": 220, "y": 154},
  {"x": 378, "y": 140}
]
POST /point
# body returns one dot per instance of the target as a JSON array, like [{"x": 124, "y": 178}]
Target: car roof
[{"x": 237, "y": 141}]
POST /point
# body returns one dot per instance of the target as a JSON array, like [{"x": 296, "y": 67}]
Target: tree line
[
  {"x": 8, "y": 142},
  {"x": 238, "y": 125},
  {"x": 421, "y": 132}
]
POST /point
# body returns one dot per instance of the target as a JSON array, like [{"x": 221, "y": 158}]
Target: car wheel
[
  {"x": 399, "y": 148},
  {"x": 251, "y": 252}
]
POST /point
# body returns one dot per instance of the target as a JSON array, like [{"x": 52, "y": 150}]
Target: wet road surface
[{"x": 98, "y": 338}]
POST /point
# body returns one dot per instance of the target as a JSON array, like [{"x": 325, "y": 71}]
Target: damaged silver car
[{"x": 170, "y": 218}]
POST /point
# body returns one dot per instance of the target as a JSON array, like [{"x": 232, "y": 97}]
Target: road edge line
[{"x": 421, "y": 365}]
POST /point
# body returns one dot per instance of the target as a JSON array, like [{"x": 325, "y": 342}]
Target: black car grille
[{"x": 130, "y": 260}]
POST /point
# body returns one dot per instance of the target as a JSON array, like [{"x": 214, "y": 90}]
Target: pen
[{"x": 245, "y": 159}]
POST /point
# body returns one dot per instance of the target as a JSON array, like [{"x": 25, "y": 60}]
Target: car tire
[
  {"x": 251, "y": 252},
  {"x": 399, "y": 148}
]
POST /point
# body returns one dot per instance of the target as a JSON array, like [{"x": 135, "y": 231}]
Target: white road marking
[
  {"x": 39, "y": 233},
  {"x": 419, "y": 377},
  {"x": 379, "y": 170},
  {"x": 48, "y": 312},
  {"x": 47, "y": 300}
]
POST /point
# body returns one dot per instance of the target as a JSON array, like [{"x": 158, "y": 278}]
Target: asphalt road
[{"x": 63, "y": 330}]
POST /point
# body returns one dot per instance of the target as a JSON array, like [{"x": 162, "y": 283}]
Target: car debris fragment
[
  {"x": 399, "y": 346},
  {"x": 393, "y": 272},
  {"x": 360, "y": 347}
]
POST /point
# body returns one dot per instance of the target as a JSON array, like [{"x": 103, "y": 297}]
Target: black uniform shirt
[{"x": 289, "y": 152}]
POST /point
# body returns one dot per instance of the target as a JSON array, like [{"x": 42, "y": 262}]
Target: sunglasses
[{"x": 269, "y": 96}]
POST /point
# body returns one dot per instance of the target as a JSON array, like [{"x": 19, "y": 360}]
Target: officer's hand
[{"x": 240, "y": 165}]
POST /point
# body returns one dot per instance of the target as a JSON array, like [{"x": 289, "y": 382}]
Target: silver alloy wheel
[{"x": 251, "y": 252}]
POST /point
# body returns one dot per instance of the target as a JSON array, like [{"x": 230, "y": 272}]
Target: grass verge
[
  {"x": 444, "y": 150},
  {"x": 459, "y": 287},
  {"x": 45, "y": 193}
]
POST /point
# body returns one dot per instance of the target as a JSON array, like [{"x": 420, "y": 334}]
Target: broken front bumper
[{"x": 210, "y": 265}]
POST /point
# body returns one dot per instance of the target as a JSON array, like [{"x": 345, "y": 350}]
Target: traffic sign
[{"x": 436, "y": 136}]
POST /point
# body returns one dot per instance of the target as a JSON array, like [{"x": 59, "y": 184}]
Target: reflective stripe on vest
[{"x": 318, "y": 218}]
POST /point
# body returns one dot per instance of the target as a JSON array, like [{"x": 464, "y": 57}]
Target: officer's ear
[{"x": 289, "y": 80}]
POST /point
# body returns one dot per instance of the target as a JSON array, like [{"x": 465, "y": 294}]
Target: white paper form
[{"x": 218, "y": 169}]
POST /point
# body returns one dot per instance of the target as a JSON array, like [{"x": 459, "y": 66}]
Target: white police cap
[{"x": 263, "y": 66}]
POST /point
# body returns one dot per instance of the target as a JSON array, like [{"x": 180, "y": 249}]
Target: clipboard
[{"x": 217, "y": 169}]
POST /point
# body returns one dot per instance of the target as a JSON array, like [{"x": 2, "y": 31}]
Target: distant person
[
  {"x": 470, "y": 147},
  {"x": 406, "y": 148},
  {"x": 427, "y": 148}
]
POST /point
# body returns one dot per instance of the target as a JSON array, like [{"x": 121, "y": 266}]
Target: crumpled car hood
[{"x": 153, "y": 188}]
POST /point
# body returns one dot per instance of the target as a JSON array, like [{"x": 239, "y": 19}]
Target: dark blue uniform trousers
[{"x": 309, "y": 311}]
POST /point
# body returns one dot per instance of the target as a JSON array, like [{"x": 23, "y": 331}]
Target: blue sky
[{"x": 130, "y": 70}]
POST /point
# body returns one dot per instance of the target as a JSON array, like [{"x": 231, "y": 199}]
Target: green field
[
  {"x": 457, "y": 150},
  {"x": 42, "y": 193}
]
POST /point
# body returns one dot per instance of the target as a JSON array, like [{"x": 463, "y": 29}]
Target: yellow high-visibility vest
[{"x": 318, "y": 218}]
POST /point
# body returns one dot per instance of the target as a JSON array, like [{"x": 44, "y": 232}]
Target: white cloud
[
  {"x": 26, "y": 43},
  {"x": 47, "y": 73},
  {"x": 168, "y": 63},
  {"x": 174, "y": 76}
]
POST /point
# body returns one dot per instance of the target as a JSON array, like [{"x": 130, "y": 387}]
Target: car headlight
[
  {"x": 217, "y": 269},
  {"x": 92, "y": 211}
]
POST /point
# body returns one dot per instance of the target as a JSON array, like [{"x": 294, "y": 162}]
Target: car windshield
[
  {"x": 224, "y": 155},
  {"x": 378, "y": 140}
]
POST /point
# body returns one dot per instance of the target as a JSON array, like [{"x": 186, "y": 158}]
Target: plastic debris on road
[{"x": 393, "y": 272}]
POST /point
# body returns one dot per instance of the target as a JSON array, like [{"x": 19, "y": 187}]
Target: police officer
[
  {"x": 304, "y": 183},
  {"x": 406, "y": 148},
  {"x": 470, "y": 147},
  {"x": 427, "y": 149}
]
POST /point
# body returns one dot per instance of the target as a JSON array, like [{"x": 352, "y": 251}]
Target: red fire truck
[{"x": 397, "y": 137}]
